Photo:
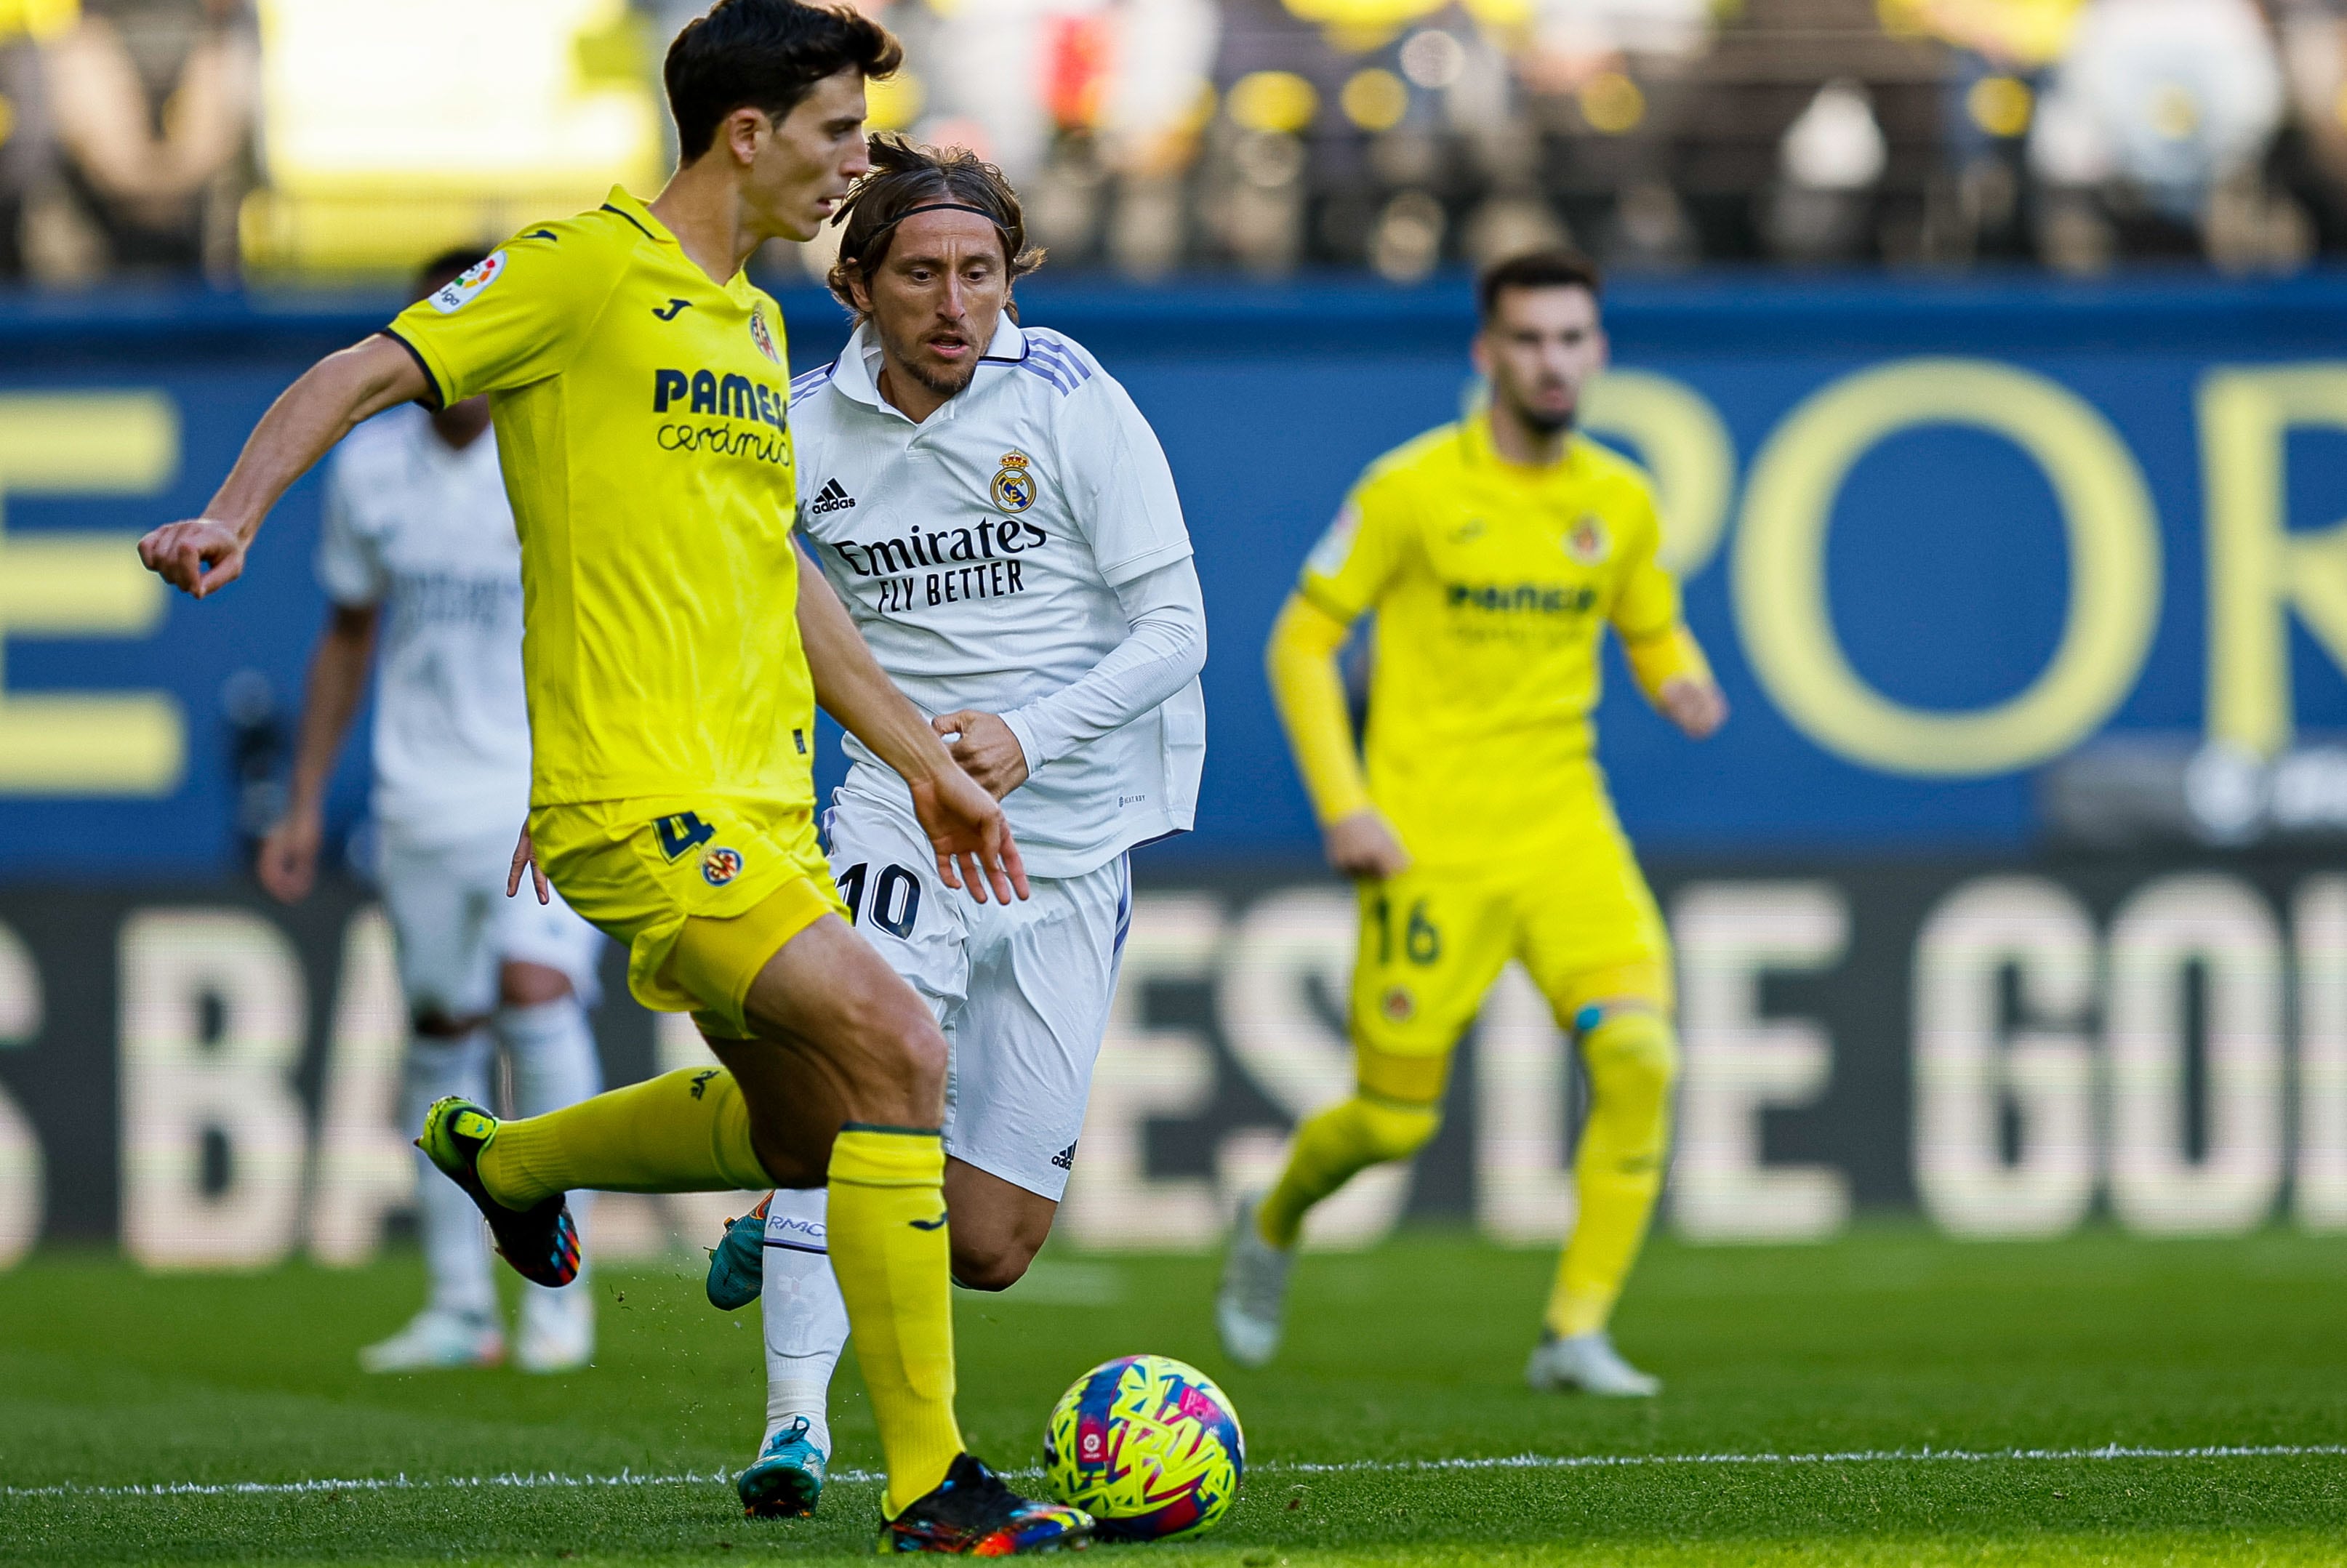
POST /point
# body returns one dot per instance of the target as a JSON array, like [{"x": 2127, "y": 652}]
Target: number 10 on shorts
[{"x": 896, "y": 897}]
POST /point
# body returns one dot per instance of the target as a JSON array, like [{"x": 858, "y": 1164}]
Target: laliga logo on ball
[{"x": 1147, "y": 1446}]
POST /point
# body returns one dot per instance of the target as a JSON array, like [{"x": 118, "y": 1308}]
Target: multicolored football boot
[
  {"x": 737, "y": 1264},
  {"x": 786, "y": 1479},
  {"x": 540, "y": 1242},
  {"x": 972, "y": 1514}
]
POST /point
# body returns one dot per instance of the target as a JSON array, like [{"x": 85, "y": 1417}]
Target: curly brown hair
[{"x": 903, "y": 178}]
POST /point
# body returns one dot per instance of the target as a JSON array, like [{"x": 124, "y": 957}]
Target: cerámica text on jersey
[
  {"x": 942, "y": 547},
  {"x": 734, "y": 397}
]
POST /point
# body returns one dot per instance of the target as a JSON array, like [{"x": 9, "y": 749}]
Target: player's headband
[
  {"x": 932, "y": 207},
  {"x": 947, "y": 207}
]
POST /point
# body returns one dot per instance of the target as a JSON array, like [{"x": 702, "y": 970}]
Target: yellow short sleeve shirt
[{"x": 641, "y": 413}]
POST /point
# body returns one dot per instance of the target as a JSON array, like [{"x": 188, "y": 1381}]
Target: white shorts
[
  {"x": 454, "y": 925},
  {"x": 1023, "y": 992}
]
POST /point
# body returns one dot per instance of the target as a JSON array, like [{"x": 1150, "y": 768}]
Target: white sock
[
  {"x": 455, "y": 1253},
  {"x": 807, "y": 1320},
  {"x": 552, "y": 1053}
]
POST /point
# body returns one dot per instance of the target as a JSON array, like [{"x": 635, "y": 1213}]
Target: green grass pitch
[{"x": 1885, "y": 1349}]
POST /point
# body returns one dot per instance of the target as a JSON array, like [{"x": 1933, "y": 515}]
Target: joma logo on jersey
[
  {"x": 729, "y": 397},
  {"x": 1524, "y": 598}
]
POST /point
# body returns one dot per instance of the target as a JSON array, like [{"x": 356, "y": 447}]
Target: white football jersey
[
  {"x": 980, "y": 552},
  {"x": 425, "y": 533}
]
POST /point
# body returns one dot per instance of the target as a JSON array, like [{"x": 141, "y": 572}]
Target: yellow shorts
[
  {"x": 1580, "y": 917},
  {"x": 703, "y": 895}
]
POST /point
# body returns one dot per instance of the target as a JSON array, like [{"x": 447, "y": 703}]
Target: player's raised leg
[{"x": 1428, "y": 947}]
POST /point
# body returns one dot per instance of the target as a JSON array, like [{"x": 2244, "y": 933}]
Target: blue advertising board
[{"x": 1934, "y": 536}]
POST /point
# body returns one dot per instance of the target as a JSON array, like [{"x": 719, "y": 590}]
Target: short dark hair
[
  {"x": 905, "y": 177},
  {"x": 1555, "y": 268},
  {"x": 448, "y": 265},
  {"x": 766, "y": 54}
]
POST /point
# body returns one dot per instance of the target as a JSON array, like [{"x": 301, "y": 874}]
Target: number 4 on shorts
[{"x": 682, "y": 833}]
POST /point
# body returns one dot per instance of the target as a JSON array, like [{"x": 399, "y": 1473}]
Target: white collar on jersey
[{"x": 856, "y": 373}]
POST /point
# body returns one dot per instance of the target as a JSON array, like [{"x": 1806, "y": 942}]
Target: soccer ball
[{"x": 1147, "y": 1446}]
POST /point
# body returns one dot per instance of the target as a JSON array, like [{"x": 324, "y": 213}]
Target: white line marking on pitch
[{"x": 1276, "y": 1467}]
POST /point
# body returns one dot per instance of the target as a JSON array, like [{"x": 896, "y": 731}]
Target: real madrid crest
[
  {"x": 1014, "y": 485},
  {"x": 1585, "y": 541}
]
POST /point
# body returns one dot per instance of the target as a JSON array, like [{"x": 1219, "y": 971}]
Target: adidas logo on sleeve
[{"x": 832, "y": 498}]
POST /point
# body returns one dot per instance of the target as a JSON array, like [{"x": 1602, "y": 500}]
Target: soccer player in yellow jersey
[
  {"x": 1494, "y": 553},
  {"x": 673, "y": 655}
]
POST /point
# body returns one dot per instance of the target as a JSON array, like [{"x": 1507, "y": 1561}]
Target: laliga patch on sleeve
[
  {"x": 1336, "y": 547},
  {"x": 461, "y": 288}
]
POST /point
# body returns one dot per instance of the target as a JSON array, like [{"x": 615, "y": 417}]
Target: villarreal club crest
[{"x": 1147, "y": 1446}]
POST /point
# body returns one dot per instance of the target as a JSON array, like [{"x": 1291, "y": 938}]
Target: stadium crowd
[{"x": 1396, "y": 135}]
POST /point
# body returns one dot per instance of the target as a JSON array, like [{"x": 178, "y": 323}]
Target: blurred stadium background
[{"x": 1989, "y": 356}]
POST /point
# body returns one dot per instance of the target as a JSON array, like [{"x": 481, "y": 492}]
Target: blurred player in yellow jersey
[{"x": 1494, "y": 553}]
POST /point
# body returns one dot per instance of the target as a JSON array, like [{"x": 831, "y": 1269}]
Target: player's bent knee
[
  {"x": 521, "y": 984},
  {"x": 1396, "y": 1132},
  {"x": 1633, "y": 1058},
  {"x": 899, "y": 1059},
  {"x": 991, "y": 1265},
  {"x": 914, "y": 1045}
]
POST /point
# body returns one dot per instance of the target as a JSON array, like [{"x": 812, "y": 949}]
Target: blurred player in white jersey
[
  {"x": 1003, "y": 526},
  {"x": 420, "y": 551}
]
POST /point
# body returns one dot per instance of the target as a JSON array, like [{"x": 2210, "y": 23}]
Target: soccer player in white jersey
[
  {"x": 1002, "y": 524},
  {"x": 419, "y": 553}
]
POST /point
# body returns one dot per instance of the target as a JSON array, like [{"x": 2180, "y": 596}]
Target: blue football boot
[
  {"x": 786, "y": 1480},
  {"x": 737, "y": 1264}
]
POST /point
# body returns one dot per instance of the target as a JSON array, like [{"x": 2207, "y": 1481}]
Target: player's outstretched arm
[
  {"x": 338, "y": 669},
  {"x": 205, "y": 554},
  {"x": 965, "y": 825},
  {"x": 1310, "y": 693}
]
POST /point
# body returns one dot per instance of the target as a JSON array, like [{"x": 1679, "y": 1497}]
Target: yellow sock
[
  {"x": 1632, "y": 1058},
  {"x": 683, "y": 1132},
  {"x": 1331, "y": 1148},
  {"x": 890, "y": 1252}
]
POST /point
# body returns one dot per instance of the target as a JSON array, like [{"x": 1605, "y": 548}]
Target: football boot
[
  {"x": 737, "y": 1264},
  {"x": 1253, "y": 1295},
  {"x": 971, "y": 1513},
  {"x": 541, "y": 1242},
  {"x": 438, "y": 1340},
  {"x": 786, "y": 1479},
  {"x": 1590, "y": 1363},
  {"x": 558, "y": 1331}
]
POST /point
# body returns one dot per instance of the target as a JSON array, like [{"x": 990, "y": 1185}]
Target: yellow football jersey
[
  {"x": 641, "y": 418},
  {"x": 1492, "y": 585}
]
